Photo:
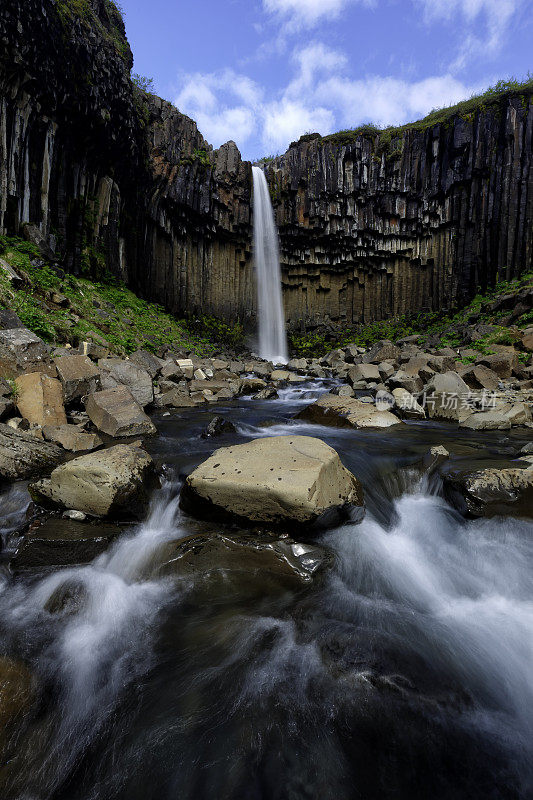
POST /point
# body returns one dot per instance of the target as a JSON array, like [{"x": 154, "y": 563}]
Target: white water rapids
[{"x": 272, "y": 336}]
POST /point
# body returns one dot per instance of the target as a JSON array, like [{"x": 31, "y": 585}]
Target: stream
[{"x": 403, "y": 668}]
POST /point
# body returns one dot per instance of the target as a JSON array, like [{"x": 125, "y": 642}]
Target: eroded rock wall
[{"x": 382, "y": 226}]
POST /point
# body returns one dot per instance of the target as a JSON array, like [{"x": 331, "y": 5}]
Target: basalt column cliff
[{"x": 110, "y": 178}]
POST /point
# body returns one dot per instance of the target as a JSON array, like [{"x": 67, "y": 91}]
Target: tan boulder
[
  {"x": 331, "y": 409},
  {"x": 490, "y": 492},
  {"x": 277, "y": 480},
  {"x": 116, "y": 412},
  {"x": 40, "y": 399},
  {"x": 78, "y": 375},
  {"x": 72, "y": 438},
  {"x": 113, "y": 482},
  {"x": 119, "y": 372}
]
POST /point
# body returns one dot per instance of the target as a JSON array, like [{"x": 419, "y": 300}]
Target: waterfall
[{"x": 272, "y": 336}]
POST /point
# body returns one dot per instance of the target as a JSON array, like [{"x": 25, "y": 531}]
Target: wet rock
[
  {"x": 252, "y": 562},
  {"x": 62, "y": 542},
  {"x": 490, "y": 492},
  {"x": 294, "y": 480},
  {"x": 17, "y": 696},
  {"x": 487, "y": 421},
  {"x": 252, "y": 385},
  {"x": 22, "y": 455},
  {"x": 117, "y": 372},
  {"x": 23, "y": 351},
  {"x": 436, "y": 456},
  {"x": 110, "y": 483},
  {"x": 72, "y": 438},
  {"x": 78, "y": 375},
  {"x": 217, "y": 427},
  {"x": 266, "y": 394},
  {"x": 347, "y": 412},
  {"x": 40, "y": 399},
  {"x": 116, "y": 412}
]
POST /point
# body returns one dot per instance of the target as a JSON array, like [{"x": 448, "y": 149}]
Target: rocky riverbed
[{"x": 231, "y": 557}]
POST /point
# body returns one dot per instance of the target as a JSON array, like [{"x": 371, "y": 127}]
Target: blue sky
[{"x": 263, "y": 72}]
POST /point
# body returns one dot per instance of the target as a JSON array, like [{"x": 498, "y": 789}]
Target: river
[{"x": 401, "y": 668}]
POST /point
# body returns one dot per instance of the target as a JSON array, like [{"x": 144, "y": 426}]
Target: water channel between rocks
[{"x": 386, "y": 659}]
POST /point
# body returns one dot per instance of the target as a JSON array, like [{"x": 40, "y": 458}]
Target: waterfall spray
[{"x": 272, "y": 336}]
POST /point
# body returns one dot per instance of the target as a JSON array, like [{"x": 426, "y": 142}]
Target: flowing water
[
  {"x": 403, "y": 669},
  {"x": 272, "y": 335}
]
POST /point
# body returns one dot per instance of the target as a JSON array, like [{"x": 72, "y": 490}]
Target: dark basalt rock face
[{"x": 370, "y": 225}]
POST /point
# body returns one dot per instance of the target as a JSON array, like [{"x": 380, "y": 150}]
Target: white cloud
[
  {"x": 223, "y": 104},
  {"x": 286, "y": 120},
  {"x": 319, "y": 96},
  {"x": 491, "y": 19},
  {"x": 387, "y": 100},
  {"x": 307, "y": 13}
]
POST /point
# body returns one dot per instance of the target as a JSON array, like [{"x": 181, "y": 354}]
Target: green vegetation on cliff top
[
  {"x": 62, "y": 308},
  {"x": 466, "y": 109}
]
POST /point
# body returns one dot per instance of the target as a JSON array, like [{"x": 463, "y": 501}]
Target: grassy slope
[{"x": 100, "y": 311}]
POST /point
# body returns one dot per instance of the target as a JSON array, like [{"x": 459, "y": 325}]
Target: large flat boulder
[
  {"x": 489, "y": 492},
  {"x": 40, "y": 399},
  {"x": 116, "y": 482},
  {"x": 296, "y": 480},
  {"x": 22, "y": 455},
  {"x": 23, "y": 351},
  {"x": 78, "y": 375},
  {"x": 116, "y": 412},
  {"x": 347, "y": 412},
  {"x": 118, "y": 372}
]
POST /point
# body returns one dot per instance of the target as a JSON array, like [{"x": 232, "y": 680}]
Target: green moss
[
  {"x": 103, "y": 307},
  {"x": 426, "y": 325}
]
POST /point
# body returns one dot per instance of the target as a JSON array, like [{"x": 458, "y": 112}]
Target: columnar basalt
[
  {"x": 110, "y": 178},
  {"x": 375, "y": 225}
]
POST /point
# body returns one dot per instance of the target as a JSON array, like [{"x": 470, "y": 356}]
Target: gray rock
[
  {"x": 22, "y": 455},
  {"x": 217, "y": 427},
  {"x": 347, "y": 412},
  {"x": 490, "y": 492},
  {"x": 147, "y": 362},
  {"x": 78, "y": 375},
  {"x": 116, "y": 412},
  {"x": 23, "y": 351},
  {"x": 61, "y": 543},
  {"x": 117, "y": 372}
]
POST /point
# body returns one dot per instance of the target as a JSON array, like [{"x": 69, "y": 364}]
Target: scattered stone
[
  {"x": 436, "y": 456},
  {"x": 23, "y": 351},
  {"x": 40, "y": 399},
  {"x": 72, "y": 438},
  {"x": 487, "y": 421},
  {"x": 116, "y": 412},
  {"x": 60, "y": 543},
  {"x": 266, "y": 394},
  {"x": 502, "y": 363},
  {"x": 76, "y": 516},
  {"x": 117, "y": 372},
  {"x": 407, "y": 405},
  {"x": 446, "y": 396},
  {"x": 78, "y": 375},
  {"x": 492, "y": 491},
  {"x": 347, "y": 412},
  {"x": 146, "y": 361},
  {"x": 114, "y": 482},
  {"x": 22, "y": 455},
  {"x": 364, "y": 372},
  {"x": 480, "y": 377},
  {"x": 381, "y": 351},
  {"x": 217, "y": 427},
  {"x": 277, "y": 480}
]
